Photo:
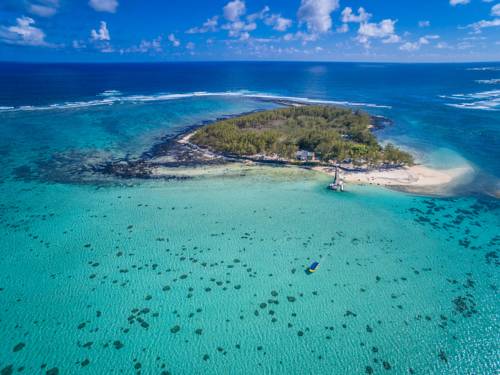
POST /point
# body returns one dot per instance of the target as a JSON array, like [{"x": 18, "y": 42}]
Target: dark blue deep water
[{"x": 451, "y": 107}]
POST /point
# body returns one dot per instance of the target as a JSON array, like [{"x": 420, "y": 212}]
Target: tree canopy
[{"x": 332, "y": 133}]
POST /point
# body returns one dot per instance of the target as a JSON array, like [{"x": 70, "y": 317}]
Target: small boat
[{"x": 313, "y": 267}]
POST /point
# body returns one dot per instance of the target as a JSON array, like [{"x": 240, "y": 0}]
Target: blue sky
[{"x": 178, "y": 30}]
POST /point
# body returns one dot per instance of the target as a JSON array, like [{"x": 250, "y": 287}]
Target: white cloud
[
  {"x": 236, "y": 28},
  {"x": 459, "y": 2},
  {"x": 424, "y": 23},
  {"x": 209, "y": 25},
  {"x": 259, "y": 15},
  {"x": 153, "y": 45},
  {"x": 391, "y": 39},
  {"x": 43, "y": 8},
  {"x": 145, "y": 46},
  {"x": 422, "y": 41},
  {"x": 343, "y": 29},
  {"x": 234, "y": 9},
  {"x": 78, "y": 44},
  {"x": 443, "y": 45},
  {"x": 175, "y": 42},
  {"x": 316, "y": 14},
  {"x": 23, "y": 33},
  {"x": 277, "y": 22},
  {"x": 102, "y": 34},
  {"x": 299, "y": 35},
  {"x": 410, "y": 47},
  {"x": 495, "y": 10},
  {"x": 349, "y": 16},
  {"x": 244, "y": 36},
  {"x": 104, "y": 5},
  {"x": 477, "y": 26},
  {"x": 384, "y": 30}
]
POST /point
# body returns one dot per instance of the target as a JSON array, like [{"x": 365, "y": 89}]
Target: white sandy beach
[{"x": 418, "y": 178}]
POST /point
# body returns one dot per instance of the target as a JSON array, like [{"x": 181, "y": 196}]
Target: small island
[
  {"x": 337, "y": 141},
  {"x": 312, "y": 134}
]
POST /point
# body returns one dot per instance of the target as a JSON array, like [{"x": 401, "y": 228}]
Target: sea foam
[
  {"x": 484, "y": 100},
  {"x": 111, "y": 97},
  {"x": 493, "y": 81}
]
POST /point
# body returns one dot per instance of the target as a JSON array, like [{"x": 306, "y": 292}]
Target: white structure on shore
[{"x": 338, "y": 182}]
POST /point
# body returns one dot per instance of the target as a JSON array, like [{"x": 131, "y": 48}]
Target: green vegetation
[{"x": 332, "y": 133}]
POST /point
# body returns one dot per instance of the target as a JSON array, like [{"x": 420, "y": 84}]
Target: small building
[{"x": 303, "y": 155}]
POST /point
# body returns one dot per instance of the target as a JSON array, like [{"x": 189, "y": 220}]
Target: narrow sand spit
[{"x": 418, "y": 178}]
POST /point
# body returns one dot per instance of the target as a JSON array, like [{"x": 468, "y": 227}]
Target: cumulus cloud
[
  {"x": 234, "y": 10},
  {"x": 235, "y": 29},
  {"x": 145, "y": 46},
  {"x": 495, "y": 10},
  {"x": 43, "y": 8},
  {"x": 239, "y": 24},
  {"x": 209, "y": 25},
  {"x": 384, "y": 30},
  {"x": 104, "y": 5},
  {"x": 316, "y": 14},
  {"x": 278, "y": 22},
  {"x": 299, "y": 35},
  {"x": 238, "y": 27},
  {"x": 415, "y": 46},
  {"x": 349, "y": 16},
  {"x": 102, "y": 34},
  {"x": 424, "y": 23},
  {"x": 410, "y": 47},
  {"x": 483, "y": 24},
  {"x": 459, "y": 2},
  {"x": 23, "y": 33},
  {"x": 175, "y": 42},
  {"x": 443, "y": 45}
]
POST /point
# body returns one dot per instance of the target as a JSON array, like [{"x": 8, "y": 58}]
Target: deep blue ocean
[
  {"x": 206, "y": 274},
  {"x": 453, "y": 106}
]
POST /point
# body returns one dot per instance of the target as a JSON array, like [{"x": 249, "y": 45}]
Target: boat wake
[{"x": 111, "y": 97}]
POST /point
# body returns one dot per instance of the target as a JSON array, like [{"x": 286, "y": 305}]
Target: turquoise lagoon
[{"x": 207, "y": 275}]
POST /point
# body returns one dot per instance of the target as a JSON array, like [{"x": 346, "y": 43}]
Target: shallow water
[
  {"x": 86, "y": 270},
  {"x": 207, "y": 275}
]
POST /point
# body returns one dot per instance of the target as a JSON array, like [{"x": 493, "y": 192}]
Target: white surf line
[{"x": 111, "y": 97}]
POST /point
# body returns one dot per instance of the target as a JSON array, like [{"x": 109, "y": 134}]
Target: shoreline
[
  {"x": 417, "y": 179},
  {"x": 175, "y": 157}
]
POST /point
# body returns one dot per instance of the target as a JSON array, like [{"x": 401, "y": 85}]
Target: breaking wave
[
  {"x": 494, "y": 81},
  {"x": 485, "y": 100},
  {"x": 486, "y": 69},
  {"x": 111, "y": 97}
]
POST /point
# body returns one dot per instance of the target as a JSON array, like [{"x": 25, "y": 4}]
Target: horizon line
[{"x": 250, "y": 61}]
